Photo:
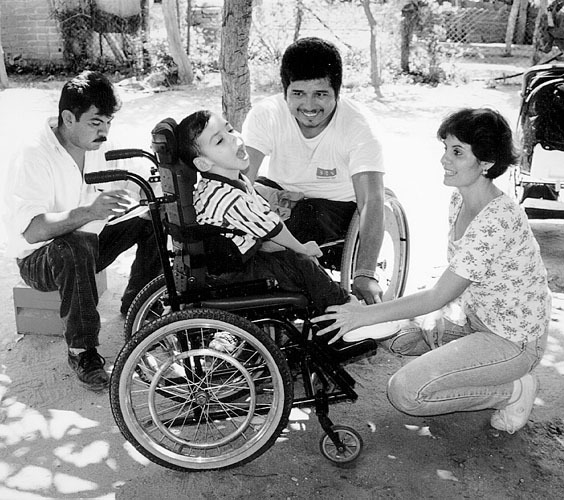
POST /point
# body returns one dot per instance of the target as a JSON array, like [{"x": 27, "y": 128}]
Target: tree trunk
[
  {"x": 145, "y": 35},
  {"x": 374, "y": 62},
  {"x": 234, "y": 61},
  {"x": 298, "y": 19},
  {"x": 4, "y": 83},
  {"x": 511, "y": 27},
  {"x": 409, "y": 14},
  {"x": 522, "y": 23},
  {"x": 170, "y": 14},
  {"x": 537, "y": 41},
  {"x": 188, "y": 25}
]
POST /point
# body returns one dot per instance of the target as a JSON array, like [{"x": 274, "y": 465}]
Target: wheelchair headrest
[{"x": 164, "y": 143}]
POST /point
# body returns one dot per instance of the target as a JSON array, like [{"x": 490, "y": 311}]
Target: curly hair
[
  {"x": 311, "y": 59},
  {"x": 488, "y": 134}
]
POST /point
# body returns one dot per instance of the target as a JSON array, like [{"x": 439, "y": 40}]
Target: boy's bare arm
[{"x": 287, "y": 240}]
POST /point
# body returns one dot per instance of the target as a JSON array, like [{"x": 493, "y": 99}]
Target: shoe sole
[
  {"x": 94, "y": 388},
  {"x": 86, "y": 385}
]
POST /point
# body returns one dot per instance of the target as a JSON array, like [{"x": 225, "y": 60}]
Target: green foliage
[
  {"x": 430, "y": 55},
  {"x": 82, "y": 26},
  {"x": 76, "y": 29}
]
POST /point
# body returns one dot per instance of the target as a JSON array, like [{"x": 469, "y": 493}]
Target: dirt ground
[{"x": 59, "y": 441}]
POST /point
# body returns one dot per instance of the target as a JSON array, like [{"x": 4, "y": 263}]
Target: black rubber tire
[
  {"x": 147, "y": 306},
  {"x": 187, "y": 406},
  {"x": 350, "y": 438}
]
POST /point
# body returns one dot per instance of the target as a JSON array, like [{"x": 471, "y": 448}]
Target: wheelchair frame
[
  {"x": 181, "y": 397},
  {"x": 538, "y": 181}
]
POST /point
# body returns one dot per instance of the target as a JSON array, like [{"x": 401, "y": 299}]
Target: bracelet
[{"x": 365, "y": 273}]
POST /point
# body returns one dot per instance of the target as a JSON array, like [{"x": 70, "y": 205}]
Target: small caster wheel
[{"x": 350, "y": 449}]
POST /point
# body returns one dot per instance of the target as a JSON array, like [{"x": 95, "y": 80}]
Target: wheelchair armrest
[{"x": 270, "y": 300}]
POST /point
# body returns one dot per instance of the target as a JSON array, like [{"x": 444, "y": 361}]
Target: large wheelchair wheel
[
  {"x": 148, "y": 305},
  {"x": 201, "y": 389},
  {"x": 393, "y": 261}
]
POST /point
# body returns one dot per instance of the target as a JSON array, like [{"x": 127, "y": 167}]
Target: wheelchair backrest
[{"x": 178, "y": 181}]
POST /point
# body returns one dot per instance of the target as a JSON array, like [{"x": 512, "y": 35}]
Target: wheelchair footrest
[{"x": 346, "y": 351}]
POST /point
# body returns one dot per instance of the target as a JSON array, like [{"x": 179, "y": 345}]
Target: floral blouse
[{"x": 499, "y": 254}]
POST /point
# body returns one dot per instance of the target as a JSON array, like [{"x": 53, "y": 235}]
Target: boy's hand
[{"x": 312, "y": 249}]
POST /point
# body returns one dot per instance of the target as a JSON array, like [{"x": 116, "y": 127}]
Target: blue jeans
[
  {"x": 473, "y": 370},
  {"x": 70, "y": 262}
]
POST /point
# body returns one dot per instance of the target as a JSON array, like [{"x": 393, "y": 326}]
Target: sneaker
[
  {"x": 515, "y": 415},
  {"x": 89, "y": 368},
  {"x": 224, "y": 342}
]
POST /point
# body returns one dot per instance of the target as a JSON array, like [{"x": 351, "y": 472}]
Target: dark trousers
[
  {"x": 70, "y": 262},
  {"x": 294, "y": 273},
  {"x": 317, "y": 219}
]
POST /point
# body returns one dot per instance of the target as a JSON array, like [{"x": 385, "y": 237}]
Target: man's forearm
[
  {"x": 45, "y": 227},
  {"x": 371, "y": 234}
]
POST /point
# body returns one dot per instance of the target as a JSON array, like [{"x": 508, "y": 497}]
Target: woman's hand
[
  {"x": 343, "y": 318},
  {"x": 433, "y": 329}
]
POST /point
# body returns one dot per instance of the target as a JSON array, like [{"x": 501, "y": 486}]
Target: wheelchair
[
  {"x": 209, "y": 372},
  {"x": 538, "y": 181}
]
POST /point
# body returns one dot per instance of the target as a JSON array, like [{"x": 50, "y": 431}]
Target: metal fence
[
  {"x": 121, "y": 34},
  {"x": 484, "y": 23}
]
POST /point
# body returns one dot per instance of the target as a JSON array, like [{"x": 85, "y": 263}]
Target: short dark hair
[
  {"x": 312, "y": 59},
  {"x": 89, "y": 88},
  {"x": 187, "y": 134},
  {"x": 488, "y": 134}
]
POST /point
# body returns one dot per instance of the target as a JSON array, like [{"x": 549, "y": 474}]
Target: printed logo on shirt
[{"x": 324, "y": 173}]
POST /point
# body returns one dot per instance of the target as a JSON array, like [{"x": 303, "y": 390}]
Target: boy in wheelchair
[{"x": 224, "y": 197}]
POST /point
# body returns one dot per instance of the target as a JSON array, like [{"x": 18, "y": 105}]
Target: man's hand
[
  {"x": 109, "y": 203},
  {"x": 367, "y": 289}
]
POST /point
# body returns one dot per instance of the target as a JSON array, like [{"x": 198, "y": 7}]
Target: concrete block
[{"x": 38, "y": 312}]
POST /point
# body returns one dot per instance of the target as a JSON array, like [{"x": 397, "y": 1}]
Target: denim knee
[
  {"x": 78, "y": 245},
  {"x": 403, "y": 394}
]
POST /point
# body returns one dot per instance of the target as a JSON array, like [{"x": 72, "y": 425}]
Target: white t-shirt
[
  {"x": 320, "y": 167},
  {"x": 499, "y": 254},
  {"x": 45, "y": 179}
]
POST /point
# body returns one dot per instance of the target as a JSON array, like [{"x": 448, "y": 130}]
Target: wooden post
[
  {"x": 409, "y": 14},
  {"x": 374, "y": 62},
  {"x": 3, "y": 74},
  {"x": 510, "y": 30},
  {"x": 185, "y": 73},
  {"x": 540, "y": 25}
]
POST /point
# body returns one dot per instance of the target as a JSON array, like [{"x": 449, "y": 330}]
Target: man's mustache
[{"x": 101, "y": 139}]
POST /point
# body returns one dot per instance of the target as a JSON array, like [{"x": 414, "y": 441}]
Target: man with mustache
[{"x": 57, "y": 224}]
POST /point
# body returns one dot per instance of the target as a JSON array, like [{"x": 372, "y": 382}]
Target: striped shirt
[{"x": 234, "y": 204}]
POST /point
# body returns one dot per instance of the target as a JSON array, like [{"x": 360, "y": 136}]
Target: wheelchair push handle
[
  {"x": 124, "y": 154},
  {"x": 103, "y": 176},
  {"x": 106, "y": 176}
]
